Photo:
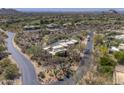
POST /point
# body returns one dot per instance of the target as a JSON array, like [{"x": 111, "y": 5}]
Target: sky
[{"x": 66, "y": 9}]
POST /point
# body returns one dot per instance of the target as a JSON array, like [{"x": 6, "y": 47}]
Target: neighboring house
[
  {"x": 118, "y": 75},
  {"x": 67, "y": 24},
  {"x": 31, "y": 27},
  {"x": 3, "y": 20},
  {"x": 121, "y": 46},
  {"x": 114, "y": 49},
  {"x": 121, "y": 37},
  {"x": 52, "y": 26},
  {"x": 60, "y": 46}
]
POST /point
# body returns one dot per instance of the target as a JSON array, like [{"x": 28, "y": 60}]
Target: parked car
[{"x": 86, "y": 51}]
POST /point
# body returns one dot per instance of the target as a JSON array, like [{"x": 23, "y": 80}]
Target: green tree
[
  {"x": 4, "y": 63},
  {"x": 103, "y": 49},
  {"x": 108, "y": 60},
  {"x": 2, "y": 48},
  {"x": 98, "y": 39},
  {"x": 11, "y": 72},
  {"x": 41, "y": 75},
  {"x": 107, "y": 64},
  {"x": 119, "y": 55}
]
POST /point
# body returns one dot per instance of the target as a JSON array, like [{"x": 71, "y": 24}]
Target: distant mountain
[
  {"x": 69, "y": 9},
  {"x": 113, "y": 11},
  {"x": 15, "y": 11},
  {"x": 8, "y": 11}
]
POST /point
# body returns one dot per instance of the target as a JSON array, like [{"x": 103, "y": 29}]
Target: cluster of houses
[
  {"x": 121, "y": 46},
  {"x": 38, "y": 27},
  {"x": 60, "y": 46},
  {"x": 48, "y": 26},
  {"x": 118, "y": 75}
]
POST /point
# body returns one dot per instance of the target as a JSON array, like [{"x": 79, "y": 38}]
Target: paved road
[
  {"x": 86, "y": 59},
  {"x": 27, "y": 69},
  {"x": 90, "y": 42},
  {"x": 84, "y": 64}
]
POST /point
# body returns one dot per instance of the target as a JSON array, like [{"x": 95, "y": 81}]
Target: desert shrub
[
  {"x": 10, "y": 71},
  {"x": 41, "y": 75},
  {"x": 107, "y": 64},
  {"x": 2, "y": 48}
]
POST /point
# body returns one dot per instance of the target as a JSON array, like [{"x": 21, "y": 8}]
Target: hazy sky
[{"x": 65, "y": 9}]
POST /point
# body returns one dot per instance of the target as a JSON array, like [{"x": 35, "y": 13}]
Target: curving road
[{"x": 27, "y": 69}]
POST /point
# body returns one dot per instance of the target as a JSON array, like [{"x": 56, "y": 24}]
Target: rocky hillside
[{"x": 8, "y": 11}]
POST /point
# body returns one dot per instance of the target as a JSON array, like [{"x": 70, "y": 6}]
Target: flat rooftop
[{"x": 119, "y": 68}]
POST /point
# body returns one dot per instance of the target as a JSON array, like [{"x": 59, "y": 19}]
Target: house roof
[
  {"x": 53, "y": 52},
  {"x": 72, "y": 41},
  {"x": 121, "y": 46},
  {"x": 114, "y": 49},
  {"x": 31, "y": 26},
  {"x": 57, "y": 46},
  {"x": 46, "y": 48},
  {"x": 119, "y": 36},
  {"x": 52, "y": 25},
  {"x": 60, "y": 46}
]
